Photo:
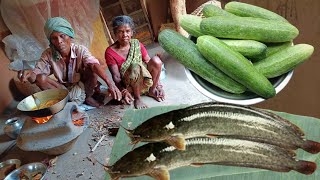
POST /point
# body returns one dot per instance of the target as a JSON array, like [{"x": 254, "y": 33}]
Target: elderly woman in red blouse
[{"x": 132, "y": 69}]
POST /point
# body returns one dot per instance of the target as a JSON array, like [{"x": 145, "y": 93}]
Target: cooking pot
[
  {"x": 51, "y": 102},
  {"x": 13, "y": 127}
]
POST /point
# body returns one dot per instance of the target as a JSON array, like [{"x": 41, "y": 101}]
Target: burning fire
[
  {"x": 42, "y": 120},
  {"x": 76, "y": 120}
]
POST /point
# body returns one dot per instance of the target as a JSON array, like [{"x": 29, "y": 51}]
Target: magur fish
[
  {"x": 214, "y": 119},
  {"x": 156, "y": 159},
  {"x": 257, "y": 112}
]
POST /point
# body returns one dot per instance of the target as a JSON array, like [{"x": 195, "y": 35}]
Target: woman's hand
[
  {"x": 112, "y": 88},
  {"x": 127, "y": 97},
  {"x": 115, "y": 92}
]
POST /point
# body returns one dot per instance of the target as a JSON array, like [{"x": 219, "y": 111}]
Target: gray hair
[{"x": 122, "y": 20}]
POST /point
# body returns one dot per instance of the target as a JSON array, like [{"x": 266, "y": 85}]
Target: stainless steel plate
[
  {"x": 5, "y": 164},
  {"x": 246, "y": 98},
  {"x": 29, "y": 170}
]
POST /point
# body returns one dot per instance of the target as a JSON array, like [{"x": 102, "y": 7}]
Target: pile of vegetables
[{"x": 238, "y": 48}]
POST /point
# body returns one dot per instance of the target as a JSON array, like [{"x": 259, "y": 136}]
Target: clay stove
[{"x": 57, "y": 135}]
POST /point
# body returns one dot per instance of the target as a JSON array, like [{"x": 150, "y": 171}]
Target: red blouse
[{"x": 113, "y": 57}]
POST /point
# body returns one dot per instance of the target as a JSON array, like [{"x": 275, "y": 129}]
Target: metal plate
[
  {"x": 246, "y": 98},
  {"x": 29, "y": 170},
  {"x": 4, "y": 166}
]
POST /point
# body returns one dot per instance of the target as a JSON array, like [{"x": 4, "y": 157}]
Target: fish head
[
  {"x": 137, "y": 162},
  {"x": 155, "y": 129}
]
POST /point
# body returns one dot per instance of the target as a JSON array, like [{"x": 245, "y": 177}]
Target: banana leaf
[{"x": 132, "y": 118}]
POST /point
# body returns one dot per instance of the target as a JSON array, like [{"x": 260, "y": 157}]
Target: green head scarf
[
  {"x": 61, "y": 25},
  {"x": 58, "y": 24}
]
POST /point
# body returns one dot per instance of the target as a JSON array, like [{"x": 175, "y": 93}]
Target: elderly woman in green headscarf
[{"x": 72, "y": 65}]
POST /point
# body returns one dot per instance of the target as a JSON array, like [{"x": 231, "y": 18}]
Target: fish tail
[
  {"x": 311, "y": 146},
  {"x": 306, "y": 167}
]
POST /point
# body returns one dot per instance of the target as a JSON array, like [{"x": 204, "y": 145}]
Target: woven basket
[{"x": 198, "y": 11}]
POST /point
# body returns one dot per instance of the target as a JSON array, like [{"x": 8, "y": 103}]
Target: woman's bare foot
[
  {"x": 92, "y": 102},
  {"x": 157, "y": 93},
  {"x": 160, "y": 91},
  {"x": 138, "y": 104}
]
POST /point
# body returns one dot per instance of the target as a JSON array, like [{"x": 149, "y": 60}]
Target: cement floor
[{"x": 79, "y": 163}]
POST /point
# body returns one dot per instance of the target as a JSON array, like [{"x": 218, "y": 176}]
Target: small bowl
[
  {"x": 5, "y": 169},
  {"x": 30, "y": 170},
  {"x": 247, "y": 98}
]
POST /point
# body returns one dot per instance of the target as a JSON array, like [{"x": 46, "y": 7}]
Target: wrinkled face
[
  {"x": 124, "y": 33},
  {"x": 61, "y": 42}
]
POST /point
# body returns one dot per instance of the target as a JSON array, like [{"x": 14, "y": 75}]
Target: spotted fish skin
[
  {"x": 153, "y": 157},
  {"x": 223, "y": 119},
  {"x": 242, "y": 123},
  {"x": 252, "y": 110}
]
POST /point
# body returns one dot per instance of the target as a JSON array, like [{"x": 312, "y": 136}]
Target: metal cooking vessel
[
  {"x": 13, "y": 127},
  {"x": 4, "y": 165},
  {"x": 29, "y": 107},
  {"x": 28, "y": 170}
]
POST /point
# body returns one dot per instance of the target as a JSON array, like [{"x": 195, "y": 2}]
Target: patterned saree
[{"x": 133, "y": 70}]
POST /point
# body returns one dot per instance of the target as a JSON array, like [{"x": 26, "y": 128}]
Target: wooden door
[{"x": 133, "y": 8}]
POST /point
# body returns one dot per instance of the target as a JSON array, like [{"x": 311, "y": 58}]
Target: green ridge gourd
[
  {"x": 272, "y": 48},
  {"x": 284, "y": 60},
  {"x": 212, "y": 10},
  {"x": 191, "y": 24},
  {"x": 258, "y": 29},
  {"x": 186, "y": 52},
  {"x": 248, "y": 10},
  {"x": 235, "y": 65},
  {"x": 248, "y": 48}
]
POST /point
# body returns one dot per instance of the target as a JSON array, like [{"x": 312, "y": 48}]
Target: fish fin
[
  {"x": 211, "y": 135},
  {"x": 292, "y": 153},
  {"x": 134, "y": 145},
  {"x": 113, "y": 176},
  {"x": 306, "y": 167},
  {"x": 160, "y": 174},
  {"x": 128, "y": 132},
  {"x": 107, "y": 168},
  {"x": 311, "y": 146},
  {"x": 177, "y": 141},
  {"x": 196, "y": 164}
]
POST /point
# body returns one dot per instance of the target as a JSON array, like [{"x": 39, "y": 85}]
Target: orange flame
[
  {"x": 42, "y": 120},
  {"x": 76, "y": 120}
]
